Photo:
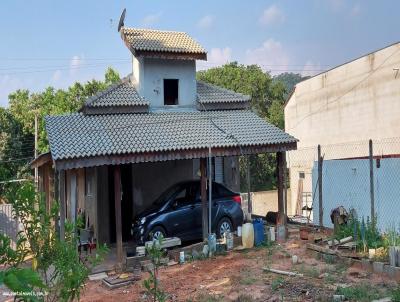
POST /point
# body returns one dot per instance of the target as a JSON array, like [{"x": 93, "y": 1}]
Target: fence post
[
  {"x": 249, "y": 205},
  {"x": 371, "y": 181},
  {"x": 321, "y": 210}
]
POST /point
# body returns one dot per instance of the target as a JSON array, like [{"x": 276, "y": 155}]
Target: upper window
[{"x": 171, "y": 91}]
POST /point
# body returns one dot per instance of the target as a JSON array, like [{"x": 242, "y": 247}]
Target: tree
[
  {"x": 57, "y": 262},
  {"x": 289, "y": 80}
]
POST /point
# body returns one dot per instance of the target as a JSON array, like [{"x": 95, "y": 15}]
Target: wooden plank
[
  {"x": 203, "y": 193},
  {"x": 118, "y": 220},
  {"x": 62, "y": 203},
  {"x": 320, "y": 249},
  {"x": 281, "y": 206},
  {"x": 166, "y": 243}
]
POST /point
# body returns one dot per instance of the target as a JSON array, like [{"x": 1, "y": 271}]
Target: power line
[{"x": 16, "y": 159}]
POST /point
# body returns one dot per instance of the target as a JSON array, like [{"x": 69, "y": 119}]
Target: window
[
  {"x": 302, "y": 175},
  {"x": 170, "y": 92}
]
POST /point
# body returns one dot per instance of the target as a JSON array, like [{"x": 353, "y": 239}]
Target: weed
[
  {"x": 361, "y": 292},
  {"x": 330, "y": 259},
  {"x": 206, "y": 297},
  {"x": 248, "y": 280},
  {"x": 330, "y": 278},
  {"x": 277, "y": 283},
  {"x": 244, "y": 298},
  {"x": 309, "y": 271},
  {"x": 395, "y": 294}
]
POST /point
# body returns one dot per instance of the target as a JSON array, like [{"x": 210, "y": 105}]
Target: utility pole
[
  {"x": 371, "y": 181},
  {"x": 36, "y": 150},
  {"x": 320, "y": 203}
]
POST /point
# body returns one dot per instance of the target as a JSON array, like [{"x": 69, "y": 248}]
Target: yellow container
[{"x": 248, "y": 235}]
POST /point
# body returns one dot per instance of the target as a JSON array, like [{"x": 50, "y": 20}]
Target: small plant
[
  {"x": 362, "y": 292},
  {"x": 277, "y": 283},
  {"x": 154, "y": 291},
  {"x": 395, "y": 294},
  {"x": 206, "y": 297},
  {"x": 244, "y": 298}
]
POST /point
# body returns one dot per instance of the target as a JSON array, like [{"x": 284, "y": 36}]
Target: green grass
[
  {"x": 277, "y": 283},
  {"x": 248, "y": 280},
  {"x": 206, "y": 297},
  {"x": 360, "y": 293},
  {"x": 395, "y": 294},
  {"x": 244, "y": 298}
]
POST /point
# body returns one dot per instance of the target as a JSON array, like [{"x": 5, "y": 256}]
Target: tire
[
  {"x": 224, "y": 225},
  {"x": 156, "y": 232}
]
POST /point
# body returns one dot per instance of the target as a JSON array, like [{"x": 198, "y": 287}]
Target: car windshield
[{"x": 166, "y": 195}]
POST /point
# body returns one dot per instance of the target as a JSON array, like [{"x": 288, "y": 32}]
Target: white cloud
[
  {"x": 272, "y": 15},
  {"x": 9, "y": 84},
  {"x": 271, "y": 56},
  {"x": 75, "y": 63},
  {"x": 216, "y": 57},
  {"x": 205, "y": 22},
  {"x": 151, "y": 19},
  {"x": 356, "y": 9}
]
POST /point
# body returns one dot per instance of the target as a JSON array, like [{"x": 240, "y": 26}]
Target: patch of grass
[
  {"x": 361, "y": 293},
  {"x": 330, "y": 279},
  {"x": 312, "y": 272},
  {"x": 206, "y": 297},
  {"x": 277, "y": 283},
  {"x": 244, "y": 298},
  {"x": 395, "y": 294},
  {"x": 248, "y": 280},
  {"x": 330, "y": 259}
]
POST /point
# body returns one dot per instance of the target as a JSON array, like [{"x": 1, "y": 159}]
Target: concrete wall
[
  {"x": 354, "y": 102},
  {"x": 349, "y": 187},
  {"x": 265, "y": 201},
  {"x": 149, "y": 75}
]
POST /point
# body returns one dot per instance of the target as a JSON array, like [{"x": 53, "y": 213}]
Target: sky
[{"x": 55, "y": 43}]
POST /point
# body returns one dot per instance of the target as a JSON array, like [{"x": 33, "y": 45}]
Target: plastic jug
[
  {"x": 248, "y": 235},
  {"x": 258, "y": 232}
]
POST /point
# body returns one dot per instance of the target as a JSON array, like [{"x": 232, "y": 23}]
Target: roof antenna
[{"x": 121, "y": 20}]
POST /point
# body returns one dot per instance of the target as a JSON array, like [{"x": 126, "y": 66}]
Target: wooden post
[
  {"x": 284, "y": 184},
  {"x": 371, "y": 181},
  {"x": 62, "y": 196},
  {"x": 281, "y": 205},
  {"x": 320, "y": 203},
  {"x": 118, "y": 220},
  {"x": 249, "y": 205},
  {"x": 203, "y": 193}
]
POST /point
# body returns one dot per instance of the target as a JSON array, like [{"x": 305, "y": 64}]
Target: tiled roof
[
  {"x": 122, "y": 93},
  {"x": 161, "y": 41},
  {"x": 207, "y": 93},
  {"x": 78, "y": 135}
]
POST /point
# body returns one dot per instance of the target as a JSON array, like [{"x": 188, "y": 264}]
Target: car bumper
[{"x": 139, "y": 234}]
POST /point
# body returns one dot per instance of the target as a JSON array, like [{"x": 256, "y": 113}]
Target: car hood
[{"x": 153, "y": 210}]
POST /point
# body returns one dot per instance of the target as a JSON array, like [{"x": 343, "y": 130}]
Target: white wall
[
  {"x": 352, "y": 103},
  {"x": 149, "y": 75}
]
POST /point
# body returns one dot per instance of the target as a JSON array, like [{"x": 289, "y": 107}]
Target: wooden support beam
[
  {"x": 320, "y": 203},
  {"x": 118, "y": 220},
  {"x": 371, "y": 181},
  {"x": 280, "y": 179},
  {"x": 62, "y": 201},
  {"x": 203, "y": 194}
]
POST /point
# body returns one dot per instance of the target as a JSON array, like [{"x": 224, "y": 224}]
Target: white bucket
[
  {"x": 182, "y": 257},
  {"x": 239, "y": 231}
]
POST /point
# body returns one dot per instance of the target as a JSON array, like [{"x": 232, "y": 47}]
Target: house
[
  {"x": 156, "y": 127},
  {"x": 341, "y": 110}
]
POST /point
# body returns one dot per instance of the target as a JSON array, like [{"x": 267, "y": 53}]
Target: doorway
[{"x": 126, "y": 203}]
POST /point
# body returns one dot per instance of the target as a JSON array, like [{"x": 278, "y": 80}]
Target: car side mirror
[{"x": 175, "y": 204}]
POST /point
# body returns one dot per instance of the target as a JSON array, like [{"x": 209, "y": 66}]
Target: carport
[{"x": 83, "y": 141}]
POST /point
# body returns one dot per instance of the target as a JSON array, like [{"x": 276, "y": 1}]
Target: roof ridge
[
  {"x": 157, "y": 30},
  {"x": 110, "y": 88}
]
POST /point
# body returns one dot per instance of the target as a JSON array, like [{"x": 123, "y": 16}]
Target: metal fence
[
  {"x": 363, "y": 175},
  {"x": 8, "y": 224}
]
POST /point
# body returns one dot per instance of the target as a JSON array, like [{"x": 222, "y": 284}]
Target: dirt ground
[{"x": 239, "y": 276}]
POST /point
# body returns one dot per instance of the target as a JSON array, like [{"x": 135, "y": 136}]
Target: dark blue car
[{"x": 177, "y": 213}]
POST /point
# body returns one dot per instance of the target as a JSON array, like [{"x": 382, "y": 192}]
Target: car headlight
[{"x": 142, "y": 220}]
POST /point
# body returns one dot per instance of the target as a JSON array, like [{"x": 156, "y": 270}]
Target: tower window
[{"x": 170, "y": 92}]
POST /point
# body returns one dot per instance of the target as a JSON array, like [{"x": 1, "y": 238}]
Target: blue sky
[{"x": 58, "y": 42}]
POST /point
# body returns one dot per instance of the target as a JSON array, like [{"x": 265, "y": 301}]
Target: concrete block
[
  {"x": 366, "y": 264},
  {"x": 378, "y": 267},
  {"x": 392, "y": 271}
]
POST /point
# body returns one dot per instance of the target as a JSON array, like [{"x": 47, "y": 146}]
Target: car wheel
[
  {"x": 224, "y": 225},
  {"x": 157, "y": 232}
]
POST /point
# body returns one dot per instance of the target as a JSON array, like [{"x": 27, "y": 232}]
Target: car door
[{"x": 179, "y": 220}]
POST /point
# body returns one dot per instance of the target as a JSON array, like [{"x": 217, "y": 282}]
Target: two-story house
[{"x": 154, "y": 128}]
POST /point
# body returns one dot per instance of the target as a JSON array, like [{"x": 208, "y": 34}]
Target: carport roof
[{"x": 78, "y": 140}]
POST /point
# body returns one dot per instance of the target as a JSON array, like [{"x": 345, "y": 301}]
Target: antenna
[{"x": 121, "y": 20}]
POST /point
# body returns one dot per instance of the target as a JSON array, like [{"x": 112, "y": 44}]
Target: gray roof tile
[
  {"x": 207, "y": 93},
  {"x": 78, "y": 135},
  {"x": 122, "y": 93},
  {"x": 160, "y": 40}
]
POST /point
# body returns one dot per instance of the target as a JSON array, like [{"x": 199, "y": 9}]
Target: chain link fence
[{"x": 362, "y": 175}]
